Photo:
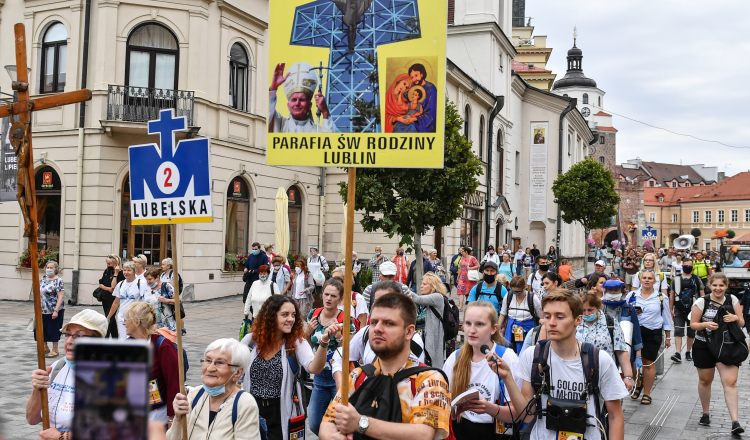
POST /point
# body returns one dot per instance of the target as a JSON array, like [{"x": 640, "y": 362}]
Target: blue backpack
[{"x": 184, "y": 353}]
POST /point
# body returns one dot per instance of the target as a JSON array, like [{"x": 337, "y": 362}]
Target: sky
[{"x": 680, "y": 65}]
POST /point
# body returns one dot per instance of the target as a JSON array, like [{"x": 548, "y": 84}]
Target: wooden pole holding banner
[
  {"x": 178, "y": 319},
  {"x": 20, "y": 138},
  {"x": 348, "y": 279}
]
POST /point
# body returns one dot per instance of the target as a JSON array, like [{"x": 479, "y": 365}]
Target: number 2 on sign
[
  {"x": 168, "y": 173},
  {"x": 168, "y": 177}
]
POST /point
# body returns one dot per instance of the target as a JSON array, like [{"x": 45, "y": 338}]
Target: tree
[
  {"x": 731, "y": 234},
  {"x": 695, "y": 232},
  {"x": 408, "y": 202},
  {"x": 586, "y": 194}
]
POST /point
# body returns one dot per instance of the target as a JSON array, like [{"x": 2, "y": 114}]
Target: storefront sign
[
  {"x": 538, "y": 172},
  {"x": 362, "y": 87},
  {"x": 475, "y": 200}
]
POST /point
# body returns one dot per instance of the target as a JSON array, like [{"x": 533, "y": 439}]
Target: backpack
[
  {"x": 450, "y": 318},
  {"x": 727, "y": 343},
  {"x": 182, "y": 309},
  {"x": 498, "y": 292},
  {"x": 455, "y": 264},
  {"x": 540, "y": 370},
  {"x": 529, "y": 304},
  {"x": 415, "y": 348},
  {"x": 263, "y": 425},
  {"x": 339, "y": 318},
  {"x": 185, "y": 364},
  {"x": 379, "y": 397},
  {"x": 683, "y": 300}
]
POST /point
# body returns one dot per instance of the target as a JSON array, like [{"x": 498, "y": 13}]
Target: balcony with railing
[{"x": 142, "y": 104}]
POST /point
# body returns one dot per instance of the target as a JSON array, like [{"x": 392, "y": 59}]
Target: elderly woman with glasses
[
  {"x": 53, "y": 307},
  {"x": 59, "y": 379},
  {"x": 140, "y": 322},
  {"x": 209, "y": 409}
]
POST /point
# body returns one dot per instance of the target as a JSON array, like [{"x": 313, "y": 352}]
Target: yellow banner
[{"x": 357, "y": 83}]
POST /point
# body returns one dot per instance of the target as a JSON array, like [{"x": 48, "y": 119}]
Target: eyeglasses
[
  {"x": 74, "y": 336},
  {"x": 218, "y": 363},
  {"x": 517, "y": 291},
  {"x": 648, "y": 271}
]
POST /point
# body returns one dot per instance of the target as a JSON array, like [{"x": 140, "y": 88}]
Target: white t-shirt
[
  {"x": 659, "y": 286},
  {"x": 299, "y": 286},
  {"x": 359, "y": 351},
  {"x": 710, "y": 314},
  {"x": 128, "y": 294},
  {"x": 537, "y": 285},
  {"x": 567, "y": 380},
  {"x": 484, "y": 380},
  {"x": 677, "y": 268},
  {"x": 61, "y": 398},
  {"x": 520, "y": 312},
  {"x": 359, "y": 306}
]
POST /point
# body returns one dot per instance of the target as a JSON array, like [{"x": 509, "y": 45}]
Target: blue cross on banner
[
  {"x": 171, "y": 183},
  {"x": 353, "y": 39},
  {"x": 649, "y": 233}
]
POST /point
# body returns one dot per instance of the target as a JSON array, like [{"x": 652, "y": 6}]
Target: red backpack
[{"x": 339, "y": 318}]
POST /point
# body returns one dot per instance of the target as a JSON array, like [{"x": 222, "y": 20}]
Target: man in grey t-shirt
[{"x": 666, "y": 262}]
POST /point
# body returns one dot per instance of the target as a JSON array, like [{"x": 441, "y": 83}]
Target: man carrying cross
[{"x": 299, "y": 85}]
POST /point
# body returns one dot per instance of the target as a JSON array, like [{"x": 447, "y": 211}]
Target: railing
[{"x": 142, "y": 104}]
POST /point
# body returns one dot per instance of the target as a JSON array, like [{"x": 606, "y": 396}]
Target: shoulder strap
[
  {"x": 415, "y": 348},
  {"x": 413, "y": 371},
  {"x": 56, "y": 370},
  {"x": 498, "y": 292},
  {"x": 540, "y": 368},
  {"x": 500, "y": 350},
  {"x": 530, "y": 303},
  {"x": 367, "y": 371},
  {"x": 366, "y": 336},
  {"x": 197, "y": 397},
  {"x": 372, "y": 295},
  {"x": 611, "y": 328},
  {"x": 537, "y": 330},
  {"x": 159, "y": 341},
  {"x": 292, "y": 359},
  {"x": 509, "y": 300},
  {"x": 340, "y": 317},
  {"x": 590, "y": 363},
  {"x": 234, "y": 407},
  {"x": 317, "y": 312}
]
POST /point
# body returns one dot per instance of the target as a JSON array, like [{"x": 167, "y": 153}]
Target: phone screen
[{"x": 111, "y": 397}]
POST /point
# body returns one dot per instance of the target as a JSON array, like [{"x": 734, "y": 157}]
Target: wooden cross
[{"x": 20, "y": 135}]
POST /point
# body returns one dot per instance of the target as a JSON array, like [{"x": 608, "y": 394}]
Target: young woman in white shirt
[
  {"x": 649, "y": 263},
  {"x": 702, "y": 320},
  {"x": 491, "y": 416}
]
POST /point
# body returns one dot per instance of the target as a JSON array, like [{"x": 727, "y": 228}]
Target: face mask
[
  {"x": 264, "y": 278},
  {"x": 687, "y": 269},
  {"x": 588, "y": 318},
  {"x": 544, "y": 267},
  {"x": 489, "y": 279},
  {"x": 71, "y": 364},
  {"x": 611, "y": 297},
  {"x": 298, "y": 269},
  {"x": 276, "y": 267},
  {"x": 153, "y": 286},
  {"x": 50, "y": 272},
  {"x": 401, "y": 253},
  {"x": 377, "y": 254},
  {"x": 255, "y": 251}
]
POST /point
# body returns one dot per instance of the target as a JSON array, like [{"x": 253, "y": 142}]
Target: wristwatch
[{"x": 364, "y": 423}]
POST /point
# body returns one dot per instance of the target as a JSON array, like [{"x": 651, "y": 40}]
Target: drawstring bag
[{"x": 245, "y": 327}]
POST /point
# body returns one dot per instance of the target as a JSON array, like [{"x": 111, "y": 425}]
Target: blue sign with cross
[
  {"x": 170, "y": 182},
  {"x": 649, "y": 233}
]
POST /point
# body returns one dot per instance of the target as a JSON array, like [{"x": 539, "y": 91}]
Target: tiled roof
[
  {"x": 601, "y": 113},
  {"x": 524, "y": 68},
  {"x": 662, "y": 171},
  {"x": 606, "y": 128},
  {"x": 736, "y": 187}
]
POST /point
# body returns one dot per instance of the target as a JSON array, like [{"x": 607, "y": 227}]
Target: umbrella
[
  {"x": 282, "y": 222},
  {"x": 343, "y": 238}
]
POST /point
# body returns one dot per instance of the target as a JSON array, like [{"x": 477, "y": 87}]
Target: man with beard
[
  {"x": 299, "y": 85},
  {"x": 424, "y": 397},
  {"x": 426, "y": 123}
]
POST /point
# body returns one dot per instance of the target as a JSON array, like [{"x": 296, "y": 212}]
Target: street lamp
[{"x": 12, "y": 72}]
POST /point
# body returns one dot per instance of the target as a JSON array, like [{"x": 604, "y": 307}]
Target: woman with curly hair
[{"x": 277, "y": 344}]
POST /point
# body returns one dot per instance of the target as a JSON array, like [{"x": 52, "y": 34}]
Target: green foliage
[
  {"x": 695, "y": 232},
  {"x": 365, "y": 278},
  {"x": 731, "y": 234},
  {"x": 408, "y": 201},
  {"x": 234, "y": 261},
  {"x": 586, "y": 194},
  {"x": 44, "y": 255}
]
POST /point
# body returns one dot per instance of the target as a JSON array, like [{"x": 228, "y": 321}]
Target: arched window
[
  {"x": 481, "y": 137},
  {"x": 153, "y": 241},
  {"x": 238, "y": 218},
  {"x": 295, "y": 219},
  {"x": 54, "y": 58},
  {"x": 152, "y": 58},
  {"x": 48, "y": 202},
  {"x": 585, "y": 98},
  {"x": 239, "y": 77},
  {"x": 601, "y": 139},
  {"x": 500, "y": 162},
  {"x": 467, "y": 118}
]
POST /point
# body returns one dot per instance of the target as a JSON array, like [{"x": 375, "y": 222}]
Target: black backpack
[
  {"x": 727, "y": 343},
  {"x": 377, "y": 396},
  {"x": 529, "y": 304},
  {"x": 683, "y": 300},
  {"x": 498, "y": 292},
  {"x": 450, "y": 318}
]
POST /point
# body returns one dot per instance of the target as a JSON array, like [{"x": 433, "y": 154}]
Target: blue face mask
[
  {"x": 215, "y": 391},
  {"x": 401, "y": 253},
  {"x": 590, "y": 318},
  {"x": 264, "y": 278},
  {"x": 377, "y": 254},
  {"x": 255, "y": 251},
  {"x": 71, "y": 364},
  {"x": 153, "y": 286}
]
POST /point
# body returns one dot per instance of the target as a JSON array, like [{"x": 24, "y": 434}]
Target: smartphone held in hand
[{"x": 112, "y": 389}]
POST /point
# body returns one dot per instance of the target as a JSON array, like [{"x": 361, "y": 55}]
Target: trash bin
[{"x": 660, "y": 361}]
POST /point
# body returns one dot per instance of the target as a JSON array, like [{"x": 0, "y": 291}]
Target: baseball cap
[
  {"x": 91, "y": 320},
  {"x": 600, "y": 263},
  {"x": 490, "y": 264},
  {"x": 388, "y": 268},
  {"x": 613, "y": 284}
]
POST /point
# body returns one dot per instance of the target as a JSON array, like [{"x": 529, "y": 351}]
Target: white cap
[
  {"x": 600, "y": 263},
  {"x": 91, "y": 320},
  {"x": 301, "y": 79},
  {"x": 388, "y": 268}
]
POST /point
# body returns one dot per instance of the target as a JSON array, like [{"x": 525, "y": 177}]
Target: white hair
[
  {"x": 130, "y": 264},
  {"x": 167, "y": 261},
  {"x": 54, "y": 263},
  {"x": 239, "y": 353}
]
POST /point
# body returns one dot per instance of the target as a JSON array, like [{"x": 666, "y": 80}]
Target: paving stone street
[{"x": 674, "y": 413}]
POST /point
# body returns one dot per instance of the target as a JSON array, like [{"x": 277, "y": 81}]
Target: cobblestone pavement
[{"x": 674, "y": 413}]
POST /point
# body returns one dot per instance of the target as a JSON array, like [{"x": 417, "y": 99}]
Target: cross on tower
[
  {"x": 350, "y": 75},
  {"x": 165, "y": 127}
]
